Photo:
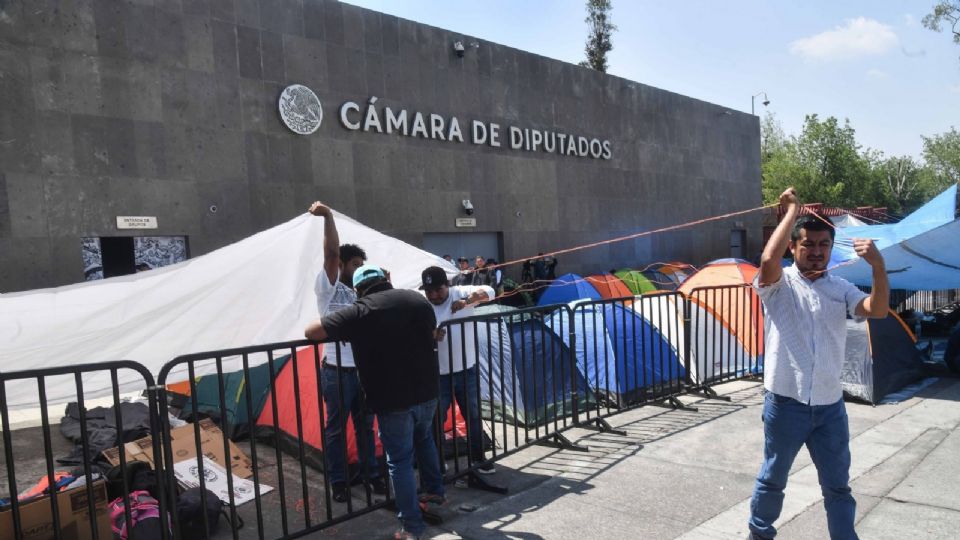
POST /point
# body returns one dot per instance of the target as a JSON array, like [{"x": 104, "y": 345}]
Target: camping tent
[
  {"x": 676, "y": 271},
  {"x": 567, "y": 288},
  {"x": 291, "y": 379},
  {"x": 726, "y": 320},
  {"x": 236, "y": 296},
  {"x": 525, "y": 371},
  {"x": 621, "y": 353},
  {"x": 635, "y": 281},
  {"x": 881, "y": 357},
  {"x": 609, "y": 286},
  {"x": 921, "y": 252}
]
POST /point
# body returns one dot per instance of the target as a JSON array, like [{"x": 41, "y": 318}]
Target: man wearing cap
[
  {"x": 334, "y": 291},
  {"x": 458, "y": 354},
  {"x": 392, "y": 334}
]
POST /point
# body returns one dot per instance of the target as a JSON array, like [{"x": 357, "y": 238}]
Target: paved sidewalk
[{"x": 693, "y": 477}]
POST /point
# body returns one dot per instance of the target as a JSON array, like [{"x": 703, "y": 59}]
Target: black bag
[
  {"x": 139, "y": 476},
  {"x": 190, "y": 510}
]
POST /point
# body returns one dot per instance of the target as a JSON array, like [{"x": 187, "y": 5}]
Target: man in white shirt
[
  {"x": 334, "y": 290},
  {"x": 805, "y": 332},
  {"x": 458, "y": 371}
]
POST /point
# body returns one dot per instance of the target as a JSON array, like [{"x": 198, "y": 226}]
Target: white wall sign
[
  {"x": 301, "y": 111},
  {"x": 466, "y": 222},
  {"x": 136, "y": 222}
]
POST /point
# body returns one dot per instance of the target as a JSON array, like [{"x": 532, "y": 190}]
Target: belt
[{"x": 327, "y": 364}]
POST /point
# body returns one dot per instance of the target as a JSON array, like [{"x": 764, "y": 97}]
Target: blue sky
[{"x": 869, "y": 61}]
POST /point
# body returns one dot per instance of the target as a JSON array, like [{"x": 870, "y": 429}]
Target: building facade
[{"x": 145, "y": 132}]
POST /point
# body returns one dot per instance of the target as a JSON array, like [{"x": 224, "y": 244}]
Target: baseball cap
[
  {"x": 433, "y": 277},
  {"x": 365, "y": 272}
]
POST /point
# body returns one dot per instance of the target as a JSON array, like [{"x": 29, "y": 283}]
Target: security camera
[
  {"x": 468, "y": 207},
  {"x": 458, "y": 48},
  {"x": 766, "y": 102},
  {"x": 213, "y": 209}
]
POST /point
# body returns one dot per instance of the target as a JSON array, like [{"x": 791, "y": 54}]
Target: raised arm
[
  {"x": 877, "y": 304},
  {"x": 331, "y": 241},
  {"x": 771, "y": 268}
]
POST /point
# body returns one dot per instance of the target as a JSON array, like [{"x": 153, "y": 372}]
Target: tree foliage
[
  {"x": 599, "y": 41},
  {"x": 945, "y": 13},
  {"x": 827, "y": 165}
]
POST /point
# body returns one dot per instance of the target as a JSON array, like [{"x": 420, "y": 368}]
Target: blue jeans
[
  {"x": 406, "y": 435},
  {"x": 464, "y": 383},
  {"x": 787, "y": 426},
  {"x": 332, "y": 380}
]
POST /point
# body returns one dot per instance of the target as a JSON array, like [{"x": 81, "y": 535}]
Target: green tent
[
  {"x": 635, "y": 281},
  {"x": 237, "y": 422}
]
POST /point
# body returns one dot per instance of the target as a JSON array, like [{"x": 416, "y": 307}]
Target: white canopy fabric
[
  {"x": 847, "y": 220},
  {"x": 258, "y": 290}
]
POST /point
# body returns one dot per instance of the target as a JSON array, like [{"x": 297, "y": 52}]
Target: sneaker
[
  {"x": 340, "y": 492},
  {"x": 378, "y": 486},
  {"x": 404, "y": 534},
  {"x": 486, "y": 468},
  {"x": 430, "y": 499}
]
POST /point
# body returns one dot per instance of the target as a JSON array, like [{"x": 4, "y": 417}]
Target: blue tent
[
  {"x": 922, "y": 252},
  {"x": 566, "y": 289},
  {"x": 526, "y": 371},
  {"x": 624, "y": 355}
]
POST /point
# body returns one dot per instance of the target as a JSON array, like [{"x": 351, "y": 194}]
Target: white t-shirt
[
  {"x": 454, "y": 332},
  {"x": 332, "y": 297}
]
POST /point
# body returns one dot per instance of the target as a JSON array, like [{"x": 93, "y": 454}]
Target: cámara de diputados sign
[{"x": 301, "y": 111}]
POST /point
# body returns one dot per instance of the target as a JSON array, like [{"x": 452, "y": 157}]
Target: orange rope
[{"x": 622, "y": 238}]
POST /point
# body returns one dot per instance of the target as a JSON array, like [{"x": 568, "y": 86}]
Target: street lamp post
[{"x": 766, "y": 101}]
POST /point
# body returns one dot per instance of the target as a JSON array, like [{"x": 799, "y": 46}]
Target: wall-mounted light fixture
[
  {"x": 460, "y": 48},
  {"x": 467, "y": 207}
]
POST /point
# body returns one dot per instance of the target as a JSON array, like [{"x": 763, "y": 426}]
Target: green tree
[
  {"x": 824, "y": 163},
  {"x": 942, "y": 154},
  {"x": 601, "y": 30},
  {"x": 906, "y": 181},
  {"x": 945, "y": 13}
]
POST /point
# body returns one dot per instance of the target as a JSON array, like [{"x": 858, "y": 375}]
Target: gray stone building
[{"x": 169, "y": 110}]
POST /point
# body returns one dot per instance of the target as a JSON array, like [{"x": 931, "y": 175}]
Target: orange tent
[
  {"x": 609, "y": 286},
  {"x": 726, "y": 320}
]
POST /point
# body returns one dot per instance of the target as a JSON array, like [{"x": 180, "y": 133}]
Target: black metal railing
[
  {"x": 93, "y": 494},
  {"x": 517, "y": 377}
]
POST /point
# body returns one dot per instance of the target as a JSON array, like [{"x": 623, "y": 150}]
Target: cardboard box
[
  {"x": 36, "y": 518},
  {"x": 183, "y": 446}
]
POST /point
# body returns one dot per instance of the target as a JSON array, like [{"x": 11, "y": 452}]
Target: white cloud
[
  {"x": 857, "y": 37},
  {"x": 908, "y": 20},
  {"x": 877, "y": 74}
]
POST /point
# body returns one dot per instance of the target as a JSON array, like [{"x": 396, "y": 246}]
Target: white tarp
[{"x": 258, "y": 290}]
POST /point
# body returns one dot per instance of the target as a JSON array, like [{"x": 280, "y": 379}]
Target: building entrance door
[{"x": 488, "y": 245}]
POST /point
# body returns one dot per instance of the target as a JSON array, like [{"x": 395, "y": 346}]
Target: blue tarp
[{"x": 922, "y": 252}]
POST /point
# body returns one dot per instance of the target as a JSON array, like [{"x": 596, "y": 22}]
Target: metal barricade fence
[
  {"x": 297, "y": 399},
  {"x": 513, "y": 379},
  {"x": 94, "y": 520},
  {"x": 518, "y": 377},
  {"x": 725, "y": 333}
]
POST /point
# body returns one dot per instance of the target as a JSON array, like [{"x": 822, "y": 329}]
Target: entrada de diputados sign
[{"x": 301, "y": 111}]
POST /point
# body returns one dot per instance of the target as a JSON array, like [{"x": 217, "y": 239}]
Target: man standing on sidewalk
[
  {"x": 334, "y": 291},
  {"x": 392, "y": 334},
  {"x": 458, "y": 353},
  {"x": 805, "y": 329}
]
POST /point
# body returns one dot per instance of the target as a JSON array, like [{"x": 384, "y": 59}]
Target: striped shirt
[{"x": 806, "y": 334}]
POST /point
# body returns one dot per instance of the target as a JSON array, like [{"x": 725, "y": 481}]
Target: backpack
[
  {"x": 144, "y": 517},
  {"x": 139, "y": 476},
  {"x": 190, "y": 510}
]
